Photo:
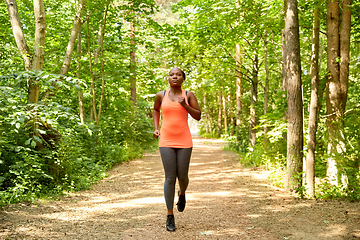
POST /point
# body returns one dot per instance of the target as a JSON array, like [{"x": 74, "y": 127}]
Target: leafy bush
[{"x": 45, "y": 150}]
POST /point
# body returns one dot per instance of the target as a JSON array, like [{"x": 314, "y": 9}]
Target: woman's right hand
[{"x": 156, "y": 134}]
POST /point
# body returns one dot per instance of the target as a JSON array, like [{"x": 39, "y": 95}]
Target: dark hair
[{"x": 183, "y": 73}]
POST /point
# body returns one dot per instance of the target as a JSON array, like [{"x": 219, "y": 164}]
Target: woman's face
[{"x": 176, "y": 77}]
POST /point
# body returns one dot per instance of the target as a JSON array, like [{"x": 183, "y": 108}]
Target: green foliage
[
  {"x": 76, "y": 160},
  {"x": 325, "y": 190}
]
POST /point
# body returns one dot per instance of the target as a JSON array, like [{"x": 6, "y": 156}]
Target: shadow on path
[{"x": 224, "y": 201}]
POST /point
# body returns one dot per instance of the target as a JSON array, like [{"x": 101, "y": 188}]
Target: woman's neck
[{"x": 175, "y": 90}]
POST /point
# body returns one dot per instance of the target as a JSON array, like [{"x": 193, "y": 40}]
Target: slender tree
[
  {"x": 101, "y": 47},
  {"x": 314, "y": 103},
  {"x": 219, "y": 115},
  {"x": 80, "y": 92},
  {"x": 266, "y": 88},
  {"x": 254, "y": 98},
  {"x": 238, "y": 91},
  {"x": 133, "y": 63},
  {"x": 294, "y": 97},
  {"x": 33, "y": 61},
  {"x": 71, "y": 44}
]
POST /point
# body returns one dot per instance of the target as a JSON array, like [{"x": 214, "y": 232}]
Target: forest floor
[{"x": 224, "y": 201}]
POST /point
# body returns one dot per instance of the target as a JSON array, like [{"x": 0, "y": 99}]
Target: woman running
[{"x": 175, "y": 142}]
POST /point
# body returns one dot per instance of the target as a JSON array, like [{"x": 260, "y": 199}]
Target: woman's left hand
[{"x": 181, "y": 100}]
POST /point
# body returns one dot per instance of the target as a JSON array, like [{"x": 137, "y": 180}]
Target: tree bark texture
[
  {"x": 73, "y": 34},
  {"x": 102, "y": 88},
  {"x": 238, "y": 91},
  {"x": 345, "y": 51},
  {"x": 254, "y": 98},
  {"x": 219, "y": 116},
  {"x": 133, "y": 64},
  {"x": 18, "y": 33},
  {"x": 314, "y": 104},
  {"x": 338, "y": 50},
  {"x": 80, "y": 93},
  {"x": 266, "y": 89},
  {"x": 93, "y": 115},
  {"x": 294, "y": 98},
  {"x": 38, "y": 57},
  {"x": 40, "y": 27},
  {"x": 101, "y": 44},
  {"x": 283, "y": 72},
  {"x": 225, "y": 114},
  {"x": 207, "y": 114}
]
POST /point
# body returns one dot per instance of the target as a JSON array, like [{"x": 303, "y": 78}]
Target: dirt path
[{"x": 224, "y": 201}]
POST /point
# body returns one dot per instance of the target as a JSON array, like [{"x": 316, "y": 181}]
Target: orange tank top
[{"x": 175, "y": 131}]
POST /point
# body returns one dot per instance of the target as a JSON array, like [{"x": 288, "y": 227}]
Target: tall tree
[
  {"x": 100, "y": 49},
  {"x": 219, "y": 115},
  {"x": 238, "y": 91},
  {"x": 132, "y": 63},
  {"x": 71, "y": 44},
  {"x": 294, "y": 97},
  {"x": 266, "y": 88},
  {"x": 80, "y": 92},
  {"x": 32, "y": 61},
  {"x": 338, "y": 49},
  {"x": 314, "y": 103},
  {"x": 254, "y": 99}
]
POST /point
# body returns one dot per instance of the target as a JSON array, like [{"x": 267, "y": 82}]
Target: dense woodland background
[{"x": 278, "y": 79}]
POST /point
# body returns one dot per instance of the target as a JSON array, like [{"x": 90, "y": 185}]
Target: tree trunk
[
  {"x": 337, "y": 85},
  {"x": 266, "y": 89},
  {"x": 334, "y": 123},
  {"x": 231, "y": 114},
  {"x": 38, "y": 57},
  {"x": 225, "y": 114},
  {"x": 73, "y": 34},
  {"x": 254, "y": 96},
  {"x": 80, "y": 93},
  {"x": 294, "y": 98},
  {"x": 207, "y": 115},
  {"x": 345, "y": 51},
  {"x": 101, "y": 44},
  {"x": 18, "y": 33},
  {"x": 314, "y": 104},
  {"x": 92, "y": 87},
  {"x": 132, "y": 64},
  {"x": 40, "y": 27},
  {"x": 284, "y": 71},
  {"x": 238, "y": 91},
  {"x": 102, "y": 87},
  {"x": 219, "y": 116},
  {"x": 351, "y": 168}
]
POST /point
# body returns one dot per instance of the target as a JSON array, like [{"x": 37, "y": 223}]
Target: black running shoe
[
  {"x": 181, "y": 202},
  {"x": 170, "y": 223}
]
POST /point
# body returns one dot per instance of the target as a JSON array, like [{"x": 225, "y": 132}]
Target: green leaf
[
  {"x": 33, "y": 143},
  {"x": 28, "y": 141},
  {"x": 17, "y": 125},
  {"x": 37, "y": 139}
]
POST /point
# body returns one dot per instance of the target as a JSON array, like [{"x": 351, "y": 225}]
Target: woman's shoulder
[
  {"x": 189, "y": 93},
  {"x": 160, "y": 95}
]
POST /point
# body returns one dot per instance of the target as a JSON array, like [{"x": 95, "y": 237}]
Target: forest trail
[{"x": 224, "y": 201}]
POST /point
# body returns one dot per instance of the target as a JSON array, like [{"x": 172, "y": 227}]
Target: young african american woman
[{"x": 175, "y": 141}]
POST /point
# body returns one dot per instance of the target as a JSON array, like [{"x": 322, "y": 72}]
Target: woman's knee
[
  {"x": 170, "y": 180},
  {"x": 183, "y": 180}
]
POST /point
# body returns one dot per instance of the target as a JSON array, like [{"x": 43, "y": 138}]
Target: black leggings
[{"x": 176, "y": 164}]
